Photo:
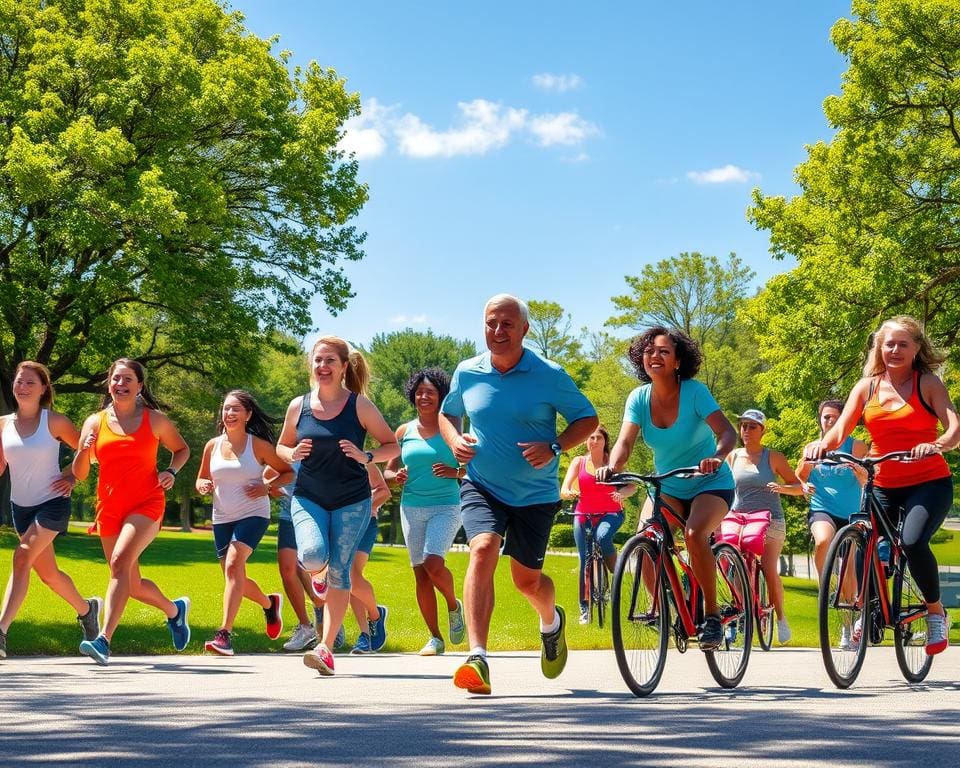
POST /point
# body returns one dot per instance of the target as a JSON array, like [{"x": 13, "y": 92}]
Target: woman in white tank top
[
  {"x": 40, "y": 491},
  {"x": 232, "y": 471}
]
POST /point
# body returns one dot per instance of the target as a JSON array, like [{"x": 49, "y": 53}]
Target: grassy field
[{"x": 184, "y": 564}]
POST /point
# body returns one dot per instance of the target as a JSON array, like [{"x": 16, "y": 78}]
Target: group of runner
[{"x": 499, "y": 480}]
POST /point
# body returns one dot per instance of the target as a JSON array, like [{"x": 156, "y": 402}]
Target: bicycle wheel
[
  {"x": 640, "y": 616},
  {"x": 764, "y": 612},
  {"x": 910, "y": 639},
  {"x": 729, "y": 662},
  {"x": 599, "y": 582},
  {"x": 843, "y": 606}
]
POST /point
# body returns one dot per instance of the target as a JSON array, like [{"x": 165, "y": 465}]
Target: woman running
[
  {"x": 429, "y": 504},
  {"x": 599, "y": 506},
  {"x": 232, "y": 469},
  {"x": 683, "y": 426},
  {"x": 325, "y": 430},
  {"x": 30, "y": 439},
  {"x": 902, "y": 402},
  {"x": 125, "y": 437},
  {"x": 761, "y": 475}
]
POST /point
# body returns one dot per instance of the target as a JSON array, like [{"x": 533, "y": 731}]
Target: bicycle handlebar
[
  {"x": 867, "y": 462},
  {"x": 628, "y": 478}
]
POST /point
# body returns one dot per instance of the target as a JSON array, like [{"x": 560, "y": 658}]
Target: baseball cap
[{"x": 752, "y": 414}]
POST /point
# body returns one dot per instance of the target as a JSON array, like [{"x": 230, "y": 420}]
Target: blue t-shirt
[
  {"x": 836, "y": 489},
  {"x": 685, "y": 442},
  {"x": 423, "y": 488},
  {"x": 504, "y": 409}
]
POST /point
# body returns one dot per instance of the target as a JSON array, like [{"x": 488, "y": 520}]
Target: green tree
[
  {"x": 550, "y": 337},
  {"x": 875, "y": 229},
  {"x": 169, "y": 190}
]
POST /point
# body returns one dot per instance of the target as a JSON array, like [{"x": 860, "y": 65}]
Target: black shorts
[
  {"x": 525, "y": 530},
  {"x": 53, "y": 514},
  {"x": 819, "y": 515},
  {"x": 724, "y": 493}
]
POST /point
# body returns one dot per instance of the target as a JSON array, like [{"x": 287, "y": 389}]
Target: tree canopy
[{"x": 169, "y": 190}]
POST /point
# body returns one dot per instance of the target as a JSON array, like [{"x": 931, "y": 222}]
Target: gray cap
[{"x": 752, "y": 414}]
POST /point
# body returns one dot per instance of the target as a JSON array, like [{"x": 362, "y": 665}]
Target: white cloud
[
  {"x": 365, "y": 135},
  {"x": 558, "y": 83},
  {"x": 580, "y": 157},
  {"x": 485, "y": 125},
  {"x": 724, "y": 175},
  {"x": 565, "y": 128},
  {"x": 409, "y": 320}
]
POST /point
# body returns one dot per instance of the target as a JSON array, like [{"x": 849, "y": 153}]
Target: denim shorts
[
  {"x": 248, "y": 530},
  {"x": 329, "y": 537},
  {"x": 777, "y": 531},
  {"x": 429, "y": 530},
  {"x": 52, "y": 514},
  {"x": 286, "y": 538},
  {"x": 369, "y": 537}
]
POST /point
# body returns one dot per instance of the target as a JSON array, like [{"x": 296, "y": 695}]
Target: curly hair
[
  {"x": 688, "y": 352},
  {"x": 436, "y": 376}
]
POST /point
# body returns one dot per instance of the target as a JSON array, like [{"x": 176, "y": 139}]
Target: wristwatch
[
  {"x": 555, "y": 447},
  {"x": 369, "y": 455}
]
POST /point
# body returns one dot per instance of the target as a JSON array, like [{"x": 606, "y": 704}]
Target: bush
[
  {"x": 561, "y": 535},
  {"x": 941, "y": 536}
]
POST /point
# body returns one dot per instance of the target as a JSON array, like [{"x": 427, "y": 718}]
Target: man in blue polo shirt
[{"x": 511, "y": 492}]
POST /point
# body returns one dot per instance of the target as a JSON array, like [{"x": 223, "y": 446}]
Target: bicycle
[
  {"x": 645, "y": 583},
  {"x": 747, "y": 532},
  {"x": 853, "y": 607},
  {"x": 595, "y": 579}
]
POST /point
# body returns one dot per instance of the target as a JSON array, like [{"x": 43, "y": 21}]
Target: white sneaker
[
  {"x": 434, "y": 647},
  {"x": 937, "y": 633},
  {"x": 844, "y": 639},
  {"x": 303, "y": 637},
  {"x": 584, "y": 615},
  {"x": 783, "y": 632}
]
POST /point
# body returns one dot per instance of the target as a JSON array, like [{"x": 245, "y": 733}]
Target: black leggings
[{"x": 924, "y": 508}]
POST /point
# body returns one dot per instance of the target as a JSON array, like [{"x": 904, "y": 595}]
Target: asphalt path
[{"x": 396, "y": 709}]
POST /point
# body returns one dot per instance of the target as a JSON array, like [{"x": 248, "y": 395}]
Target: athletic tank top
[
  {"x": 751, "y": 492},
  {"x": 900, "y": 430},
  {"x": 836, "y": 489},
  {"x": 423, "y": 488},
  {"x": 230, "y": 478},
  {"x": 34, "y": 462},
  {"x": 595, "y": 499},
  {"x": 128, "y": 467},
  {"x": 327, "y": 476}
]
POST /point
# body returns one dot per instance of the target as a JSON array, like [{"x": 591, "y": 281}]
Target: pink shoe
[
  {"x": 320, "y": 586},
  {"x": 320, "y": 659}
]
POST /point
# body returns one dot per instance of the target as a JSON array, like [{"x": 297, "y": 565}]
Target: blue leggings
[{"x": 604, "y": 532}]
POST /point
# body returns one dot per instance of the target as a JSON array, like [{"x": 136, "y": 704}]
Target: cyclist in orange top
[
  {"x": 902, "y": 401},
  {"x": 124, "y": 438}
]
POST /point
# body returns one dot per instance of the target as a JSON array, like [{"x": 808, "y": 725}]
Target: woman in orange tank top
[
  {"x": 902, "y": 403},
  {"x": 124, "y": 438}
]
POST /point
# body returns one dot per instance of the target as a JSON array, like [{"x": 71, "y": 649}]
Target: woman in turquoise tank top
[{"x": 430, "y": 504}]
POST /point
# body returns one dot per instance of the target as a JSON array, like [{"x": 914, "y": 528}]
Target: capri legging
[{"x": 924, "y": 508}]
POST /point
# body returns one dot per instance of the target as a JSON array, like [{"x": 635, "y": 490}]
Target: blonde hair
[
  {"x": 43, "y": 373},
  {"x": 357, "y": 376},
  {"x": 926, "y": 360}
]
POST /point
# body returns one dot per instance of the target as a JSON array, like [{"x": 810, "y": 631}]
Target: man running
[{"x": 510, "y": 492}]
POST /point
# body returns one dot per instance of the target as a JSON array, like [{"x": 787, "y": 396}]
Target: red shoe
[
  {"x": 220, "y": 644},
  {"x": 319, "y": 582},
  {"x": 320, "y": 659},
  {"x": 273, "y": 616}
]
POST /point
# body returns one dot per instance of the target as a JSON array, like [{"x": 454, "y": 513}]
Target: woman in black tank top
[{"x": 325, "y": 430}]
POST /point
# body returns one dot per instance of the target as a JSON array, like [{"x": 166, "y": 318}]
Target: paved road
[{"x": 403, "y": 710}]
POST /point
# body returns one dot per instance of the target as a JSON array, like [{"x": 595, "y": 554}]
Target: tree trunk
[{"x": 186, "y": 507}]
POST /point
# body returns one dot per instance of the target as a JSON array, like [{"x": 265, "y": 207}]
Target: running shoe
[
  {"x": 711, "y": 633},
  {"x": 584, "y": 615},
  {"x": 321, "y": 660},
  {"x": 730, "y": 634},
  {"x": 90, "y": 621},
  {"x": 179, "y": 625},
  {"x": 3, "y": 644},
  {"x": 473, "y": 675},
  {"x": 938, "y": 630},
  {"x": 362, "y": 646},
  {"x": 220, "y": 644},
  {"x": 844, "y": 644},
  {"x": 302, "y": 639},
  {"x": 319, "y": 582},
  {"x": 857, "y": 634},
  {"x": 341, "y": 639},
  {"x": 97, "y": 649},
  {"x": 434, "y": 647},
  {"x": 273, "y": 616},
  {"x": 783, "y": 632},
  {"x": 553, "y": 654},
  {"x": 458, "y": 627},
  {"x": 378, "y": 630}
]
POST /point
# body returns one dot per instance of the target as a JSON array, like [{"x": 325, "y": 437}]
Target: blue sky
[{"x": 547, "y": 149}]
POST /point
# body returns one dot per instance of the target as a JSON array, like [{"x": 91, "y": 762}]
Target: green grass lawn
[{"x": 184, "y": 564}]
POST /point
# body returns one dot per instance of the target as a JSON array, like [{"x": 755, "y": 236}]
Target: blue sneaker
[
  {"x": 362, "y": 646},
  {"x": 378, "y": 630},
  {"x": 341, "y": 639},
  {"x": 179, "y": 626},
  {"x": 97, "y": 649}
]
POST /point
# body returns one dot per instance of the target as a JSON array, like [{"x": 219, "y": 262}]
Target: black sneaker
[
  {"x": 90, "y": 621},
  {"x": 710, "y": 635}
]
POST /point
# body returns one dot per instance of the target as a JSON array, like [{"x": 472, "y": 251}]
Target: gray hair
[{"x": 508, "y": 298}]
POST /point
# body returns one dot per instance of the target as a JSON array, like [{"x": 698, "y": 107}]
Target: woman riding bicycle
[
  {"x": 598, "y": 505},
  {"x": 902, "y": 401},
  {"x": 682, "y": 424}
]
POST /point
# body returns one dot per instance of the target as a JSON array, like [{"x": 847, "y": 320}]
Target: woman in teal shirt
[
  {"x": 682, "y": 424},
  {"x": 430, "y": 504}
]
